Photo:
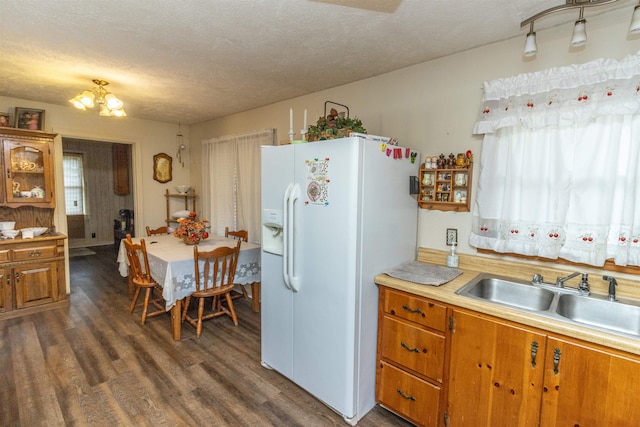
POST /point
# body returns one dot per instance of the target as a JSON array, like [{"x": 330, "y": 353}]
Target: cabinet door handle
[
  {"x": 412, "y": 310},
  {"x": 414, "y": 349},
  {"x": 17, "y": 277},
  {"x": 8, "y": 173},
  {"x": 534, "y": 352},
  {"x": 556, "y": 360},
  {"x": 406, "y": 396}
]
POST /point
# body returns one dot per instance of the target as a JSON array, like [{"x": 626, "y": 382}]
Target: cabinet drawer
[
  {"x": 408, "y": 396},
  {"x": 412, "y": 347},
  {"x": 416, "y": 309},
  {"x": 34, "y": 252},
  {"x": 4, "y": 255}
]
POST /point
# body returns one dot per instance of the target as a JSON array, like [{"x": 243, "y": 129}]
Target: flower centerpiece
[{"x": 191, "y": 230}]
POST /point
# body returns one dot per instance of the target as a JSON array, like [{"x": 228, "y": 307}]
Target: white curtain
[
  {"x": 560, "y": 164},
  {"x": 231, "y": 181}
]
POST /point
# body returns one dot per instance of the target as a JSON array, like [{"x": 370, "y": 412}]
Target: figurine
[
  {"x": 460, "y": 160},
  {"x": 451, "y": 162},
  {"x": 469, "y": 157},
  {"x": 441, "y": 163}
]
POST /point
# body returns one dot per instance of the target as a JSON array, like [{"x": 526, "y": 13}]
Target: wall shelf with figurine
[{"x": 446, "y": 184}]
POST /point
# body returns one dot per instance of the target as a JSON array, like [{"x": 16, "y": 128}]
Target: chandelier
[
  {"x": 109, "y": 104},
  {"x": 579, "y": 36}
]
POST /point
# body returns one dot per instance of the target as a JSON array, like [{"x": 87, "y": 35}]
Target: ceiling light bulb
[
  {"x": 86, "y": 98},
  {"x": 112, "y": 102},
  {"x": 77, "y": 103},
  {"x": 579, "y": 37},
  {"x": 119, "y": 112},
  {"x": 634, "y": 27},
  {"x": 530, "y": 46}
]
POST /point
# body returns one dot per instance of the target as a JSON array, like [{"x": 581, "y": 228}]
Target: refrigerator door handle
[
  {"x": 294, "y": 283},
  {"x": 285, "y": 246}
]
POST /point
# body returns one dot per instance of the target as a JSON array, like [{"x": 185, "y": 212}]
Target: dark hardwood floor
[{"x": 93, "y": 364}]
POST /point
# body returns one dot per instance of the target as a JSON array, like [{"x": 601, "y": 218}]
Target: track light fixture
[
  {"x": 530, "y": 46},
  {"x": 579, "y": 36},
  {"x": 109, "y": 104}
]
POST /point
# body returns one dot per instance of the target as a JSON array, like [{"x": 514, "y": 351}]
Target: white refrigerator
[{"x": 335, "y": 214}]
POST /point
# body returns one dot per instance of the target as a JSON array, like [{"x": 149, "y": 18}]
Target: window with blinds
[{"x": 73, "y": 184}]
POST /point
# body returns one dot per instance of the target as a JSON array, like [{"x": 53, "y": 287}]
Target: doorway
[{"x": 98, "y": 186}]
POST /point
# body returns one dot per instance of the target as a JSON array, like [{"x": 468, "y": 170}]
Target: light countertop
[{"x": 471, "y": 266}]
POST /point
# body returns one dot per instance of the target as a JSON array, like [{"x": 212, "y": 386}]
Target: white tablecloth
[{"x": 171, "y": 263}]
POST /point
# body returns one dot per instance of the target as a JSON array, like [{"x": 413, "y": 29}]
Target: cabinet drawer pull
[
  {"x": 412, "y": 310},
  {"x": 556, "y": 360},
  {"x": 405, "y": 395},
  {"x": 35, "y": 253},
  {"x": 414, "y": 349},
  {"x": 534, "y": 352}
]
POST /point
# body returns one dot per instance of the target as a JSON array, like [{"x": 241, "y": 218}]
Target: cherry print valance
[{"x": 561, "y": 96}]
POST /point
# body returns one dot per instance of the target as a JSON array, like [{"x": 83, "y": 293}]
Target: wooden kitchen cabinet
[
  {"x": 446, "y": 189},
  {"x": 496, "y": 372},
  {"x": 33, "y": 275},
  {"x": 412, "y": 362},
  {"x": 499, "y": 377},
  {"x": 27, "y": 163},
  {"x": 5, "y": 290},
  {"x": 589, "y": 385}
]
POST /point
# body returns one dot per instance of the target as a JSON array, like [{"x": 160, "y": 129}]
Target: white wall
[
  {"x": 148, "y": 138},
  {"x": 432, "y": 106}
]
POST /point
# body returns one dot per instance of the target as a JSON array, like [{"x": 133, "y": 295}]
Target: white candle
[
  {"x": 305, "y": 119},
  {"x": 290, "y": 118}
]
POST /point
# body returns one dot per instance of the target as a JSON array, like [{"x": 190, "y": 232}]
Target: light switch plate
[{"x": 452, "y": 236}]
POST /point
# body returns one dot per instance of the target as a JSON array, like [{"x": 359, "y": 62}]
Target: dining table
[{"x": 171, "y": 265}]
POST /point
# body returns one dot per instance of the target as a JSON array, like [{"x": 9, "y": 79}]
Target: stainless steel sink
[
  {"x": 509, "y": 292},
  {"x": 600, "y": 313},
  {"x": 561, "y": 303}
]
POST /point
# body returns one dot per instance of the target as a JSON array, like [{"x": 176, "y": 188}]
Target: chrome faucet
[
  {"x": 612, "y": 287},
  {"x": 584, "y": 287},
  {"x": 560, "y": 280}
]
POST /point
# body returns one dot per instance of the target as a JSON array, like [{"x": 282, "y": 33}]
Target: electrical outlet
[
  {"x": 93, "y": 235},
  {"x": 452, "y": 236}
]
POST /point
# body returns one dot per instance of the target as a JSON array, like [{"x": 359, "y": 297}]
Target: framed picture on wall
[
  {"x": 5, "y": 120},
  {"x": 162, "y": 167},
  {"x": 29, "y": 118}
]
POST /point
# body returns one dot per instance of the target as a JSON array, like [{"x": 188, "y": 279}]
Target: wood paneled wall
[{"x": 102, "y": 204}]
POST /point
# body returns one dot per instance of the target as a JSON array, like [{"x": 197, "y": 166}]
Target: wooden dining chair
[
  {"x": 159, "y": 230},
  {"x": 214, "y": 279},
  {"x": 243, "y": 236},
  {"x": 141, "y": 279}
]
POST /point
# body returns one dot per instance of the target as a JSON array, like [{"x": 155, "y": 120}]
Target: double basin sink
[{"x": 620, "y": 317}]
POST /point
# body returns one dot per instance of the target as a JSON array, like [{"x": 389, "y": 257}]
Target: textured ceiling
[{"x": 191, "y": 61}]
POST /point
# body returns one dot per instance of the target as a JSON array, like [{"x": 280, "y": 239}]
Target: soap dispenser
[{"x": 452, "y": 258}]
